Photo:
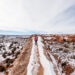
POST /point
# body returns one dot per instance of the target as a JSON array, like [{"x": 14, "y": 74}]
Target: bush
[
  {"x": 73, "y": 57},
  {"x": 9, "y": 54},
  {"x": 15, "y": 42},
  {"x": 60, "y": 49},
  {"x": 66, "y": 51},
  {"x": 11, "y": 45},
  {"x": 1, "y": 46},
  {"x": 17, "y": 54},
  {"x": 2, "y": 69},
  {"x": 4, "y": 48},
  {"x": 66, "y": 46},
  {"x": 4, "y": 54},
  {"x": 63, "y": 64},
  {"x": 13, "y": 50},
  {"x": 9, "y": 61}
]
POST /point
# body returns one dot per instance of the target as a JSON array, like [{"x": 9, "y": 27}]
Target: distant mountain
[{"x": 8, "y": 32}]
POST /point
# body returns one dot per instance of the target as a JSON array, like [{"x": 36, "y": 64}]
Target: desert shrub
[
  {"x": 17, "y": 54},
  {"x": 13, "y": 50},
  {"x": 11, "y": 45},
  {"x": 73, "y": 47},
  {"x": 48, "y": 47},
  {"x": 4, "y": 48},
  {"x": 51, "y": 43},
  {"x": 60, "y": 49},
  {"x": 66, "y": 51},
  {"x": 2, "y": 68},
  {"x": 73, "y": 57},
  {"x": 63, "y": 64},
  {"x": 15, "y": 42},
  {"x": 0, "y": 49},
  {"x": 17, "y": 47},
  {"x": 1, "y": 46},
  {"x": 4, "y": 54},
  {"x": 66, "y": 46},
  {"x": 9, "y": 62},
  {"x": 64, "y": 40},
  {"x": 9, "y": 54},
  {"x": 68, "y": 69}
]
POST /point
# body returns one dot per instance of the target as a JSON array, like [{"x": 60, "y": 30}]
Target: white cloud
[{"x": 34, "y": 15}]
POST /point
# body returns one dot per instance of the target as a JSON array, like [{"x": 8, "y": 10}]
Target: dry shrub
[
  {"x": 66, "y": 51},
  {"x": 2, "y": 68},
  {"x": 73, "y": 57},
  {"x": 68, "y": 69},
  {"x": 66, "y": 46},
  {"x": 60, "y": 49}
]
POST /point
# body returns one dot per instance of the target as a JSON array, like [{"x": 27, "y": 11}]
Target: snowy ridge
[
  {"x": 48, "y": 66},
  {"x": 33, "y": 62}
]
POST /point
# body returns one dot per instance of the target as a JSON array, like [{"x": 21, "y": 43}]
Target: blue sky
[{"x": 19, "y": 17}]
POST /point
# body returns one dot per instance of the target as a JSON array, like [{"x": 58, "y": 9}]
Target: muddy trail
[{"x": 34, "y": 60}]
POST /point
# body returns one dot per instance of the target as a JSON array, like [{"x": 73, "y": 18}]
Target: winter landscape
[
  {"x": 37, "y": 37},
  {"x": 53, "y": 55}
]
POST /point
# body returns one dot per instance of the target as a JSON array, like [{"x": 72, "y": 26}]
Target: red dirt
[{"x": 40, "y": 72}]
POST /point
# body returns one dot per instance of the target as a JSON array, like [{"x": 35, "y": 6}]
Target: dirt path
[
  {"x": 39, "y": 70},
  {"x": 34, "y": 66}
]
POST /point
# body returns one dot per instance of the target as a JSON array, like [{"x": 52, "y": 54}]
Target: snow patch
[
  {"x": 1, "y": 58},
  {"x": 48, "y": 66},
  {"x": 54, "y": 61},
  {"x": 73, "y": 73},
  {"x": 2, "y": 73},
  {"x": 33, "y": 62}
]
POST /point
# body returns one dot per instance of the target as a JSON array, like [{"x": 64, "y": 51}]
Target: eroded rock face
[{"x": 60, "y": 38}]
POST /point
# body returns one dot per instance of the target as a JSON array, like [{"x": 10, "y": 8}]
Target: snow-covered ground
[
  {"x": 2, "y": 73},
  {"x": 10, "y": 47},
  {"x": 33, "y": 65},
  {"x": 58, "y": 59},
  {"x": 55, "y": 63},
  {"x": 47, "y": 65},
  {"x": 65, "y": 51}
]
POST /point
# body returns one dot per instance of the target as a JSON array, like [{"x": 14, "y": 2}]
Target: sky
[{"x": 37, "y": 16}]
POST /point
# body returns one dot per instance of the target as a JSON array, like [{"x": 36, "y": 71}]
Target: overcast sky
[{"x": 51, "y": 16}]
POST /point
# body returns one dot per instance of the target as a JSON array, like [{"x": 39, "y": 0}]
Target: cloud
[
  {"x": 37, "y": 15},
  {"x": 65, "y": 21}
]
